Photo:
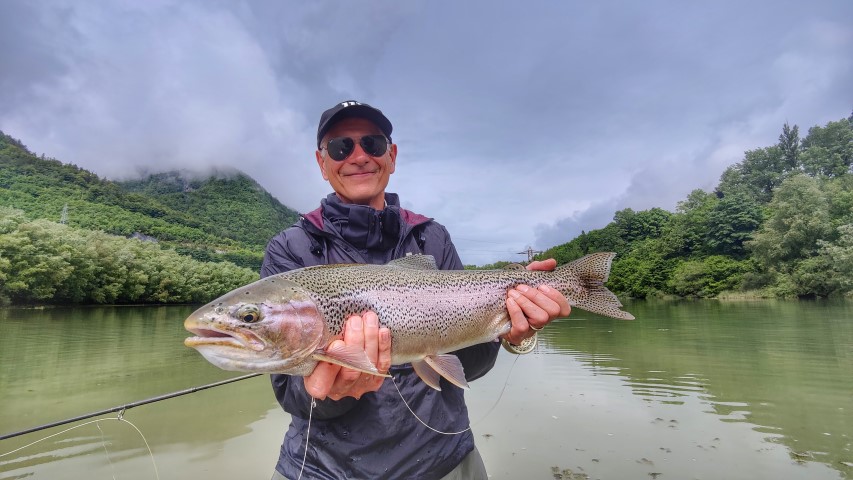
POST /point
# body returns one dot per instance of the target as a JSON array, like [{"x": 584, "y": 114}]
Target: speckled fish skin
[{"x": 430, "y": 312}]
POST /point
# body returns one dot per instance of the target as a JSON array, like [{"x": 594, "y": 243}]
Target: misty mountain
[{"x": 218, "y": 215}]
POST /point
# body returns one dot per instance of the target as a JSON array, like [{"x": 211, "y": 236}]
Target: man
[{"x": 360, "y": 427}]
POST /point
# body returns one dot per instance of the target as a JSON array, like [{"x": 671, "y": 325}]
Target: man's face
[{"x": 360, "y": 178}]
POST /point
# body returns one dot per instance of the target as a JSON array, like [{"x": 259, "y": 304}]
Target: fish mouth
[{"x": 207, "y": 337}]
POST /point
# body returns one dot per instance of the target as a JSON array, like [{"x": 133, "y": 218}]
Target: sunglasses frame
[{"x": 384, "y": 141}]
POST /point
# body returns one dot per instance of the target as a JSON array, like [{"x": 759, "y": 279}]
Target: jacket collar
[{"x": 410, "y": 219}]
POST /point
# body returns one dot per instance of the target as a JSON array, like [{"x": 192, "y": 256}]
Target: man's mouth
[{"x": 359, "y": 174}]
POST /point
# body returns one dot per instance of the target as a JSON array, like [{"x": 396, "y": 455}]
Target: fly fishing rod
[{"x": 123, "y": 408}]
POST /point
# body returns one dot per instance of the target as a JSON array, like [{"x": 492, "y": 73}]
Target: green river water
[{"x": 690, "y": 390}]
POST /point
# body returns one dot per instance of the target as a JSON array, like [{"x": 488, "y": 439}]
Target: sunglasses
[{"x": 340, "y": 148}]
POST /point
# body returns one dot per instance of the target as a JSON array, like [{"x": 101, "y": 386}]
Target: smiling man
[
  {"x": 361, "y": 428},
  {"x": 362, "y": 179}
]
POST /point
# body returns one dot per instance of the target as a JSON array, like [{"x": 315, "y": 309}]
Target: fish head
[{"x": 270, "y": 326}]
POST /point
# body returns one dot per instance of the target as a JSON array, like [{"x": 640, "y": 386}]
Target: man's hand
[
  {"x": 336, "y": 382},
  {"x": 530, "y": 309}
]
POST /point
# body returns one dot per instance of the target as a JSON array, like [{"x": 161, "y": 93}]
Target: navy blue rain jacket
[{"x": 375, "y": 437}]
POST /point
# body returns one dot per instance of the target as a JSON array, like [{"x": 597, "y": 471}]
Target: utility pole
[
  {"x": 64, "y": 218},
  {"x": 530, "y": 253}
]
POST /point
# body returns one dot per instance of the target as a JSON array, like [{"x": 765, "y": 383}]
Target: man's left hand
[{"x": 530, "y": 309}]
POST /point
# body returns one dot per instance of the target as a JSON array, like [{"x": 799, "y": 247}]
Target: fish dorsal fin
[
  {"x": 415, "y": 262},
  {"x": 514, "y": 266}
]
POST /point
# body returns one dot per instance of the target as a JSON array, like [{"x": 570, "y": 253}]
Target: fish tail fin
[{"x": 592, "y": 271}]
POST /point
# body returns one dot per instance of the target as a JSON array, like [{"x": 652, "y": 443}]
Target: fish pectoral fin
[
  {"x": 349, "y": 357},
  {"x": 427, "y": 374},
  {"x": 449, "y": 367}
]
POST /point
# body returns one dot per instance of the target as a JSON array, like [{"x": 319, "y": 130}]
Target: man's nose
[{"x": 358, "y": 154}]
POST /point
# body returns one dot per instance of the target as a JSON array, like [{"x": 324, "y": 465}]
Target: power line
[{"x": 530, "y": 253}]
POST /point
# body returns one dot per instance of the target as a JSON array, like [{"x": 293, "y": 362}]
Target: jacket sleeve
[
  {"x": 477, "y": 360},
  {"x": 283, "y": 253},
  {"x": 279, "y": 256}
]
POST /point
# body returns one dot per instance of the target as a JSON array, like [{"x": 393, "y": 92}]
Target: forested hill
[
  {"x": 231, "y": 204},
  {"x": 223, "y": 216},
  {"x": 779, "y": 223}
]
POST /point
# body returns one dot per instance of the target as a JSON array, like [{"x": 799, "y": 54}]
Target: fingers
[
  {"x": 377, "y": 351},
  {"x": 536, "y": 306},
  {"x": 319, "y": 383},
  {"x": 383, "y": 363},
  {"x": 525, "y": 313},
  {"x": 520, "y": 327},
  {"x": 533, "y": 308},
  {"x": 371, "y": 336},
  {"x": 336, "y": 382},
  {"x": 555, "y": 296},
  {"x": 353, "y": 337},
  {"x": 543, "y": 265}
]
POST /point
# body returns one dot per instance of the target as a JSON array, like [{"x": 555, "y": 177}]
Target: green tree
[
  {"x": 799, "y": 217},
  {"x": 789, "y": 145},
  {"x": 643, "y": 271},
  {"x": 828, "y": 150},
  {"x": 685, "y": 234},
  {"x": 709, "y": 276},
  {"x": 760, "y": 172},
  {"x": 633, "y": 226},
  {"x": 730, "y": 223}
]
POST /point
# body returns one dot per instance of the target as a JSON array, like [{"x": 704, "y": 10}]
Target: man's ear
[
  {"x": 392, "y": 152},
  {"x": 321, "y": 164}
]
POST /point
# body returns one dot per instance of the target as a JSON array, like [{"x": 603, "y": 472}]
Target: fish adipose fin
[
  {"x": 446, "y": 365},
  {"x": 593, "y": 270},
  {"x": 350, "y": 357}
]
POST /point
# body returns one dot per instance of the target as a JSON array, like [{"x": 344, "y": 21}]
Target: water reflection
[
  {"x": 690, "y": 390},
  {"x": 782, "y": 368},
  {"x": 60, "y": 363}
]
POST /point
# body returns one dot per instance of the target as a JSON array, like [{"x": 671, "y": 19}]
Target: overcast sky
[{"x": 518, "y": 123}]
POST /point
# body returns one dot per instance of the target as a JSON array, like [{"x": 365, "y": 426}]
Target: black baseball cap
[{"x": 352, "y": 109}]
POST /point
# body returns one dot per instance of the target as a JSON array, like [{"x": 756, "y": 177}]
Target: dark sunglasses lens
[
  {"x": 374, "y": 145},
  {"x": 340, "y": 148}
]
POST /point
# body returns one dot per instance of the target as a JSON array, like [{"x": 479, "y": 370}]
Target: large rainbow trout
[{"x": 285, "y": 323}]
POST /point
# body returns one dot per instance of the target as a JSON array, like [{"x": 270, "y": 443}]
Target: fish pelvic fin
[
  {"x": 593, "y": 271},
  {"x": 349, "y": 357},
  {"x": 427, "y": 374},
  {"x": 432, "y": 367}
]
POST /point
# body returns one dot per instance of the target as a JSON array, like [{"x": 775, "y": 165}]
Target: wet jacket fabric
[{"x": 376, "y": 436}]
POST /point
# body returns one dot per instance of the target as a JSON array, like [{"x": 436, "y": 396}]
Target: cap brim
[{"x": 356, "y": 111}]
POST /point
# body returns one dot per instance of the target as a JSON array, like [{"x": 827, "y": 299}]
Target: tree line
[
  {"x": 44, "y": 262},
  {"x": 778, "y": 224}
]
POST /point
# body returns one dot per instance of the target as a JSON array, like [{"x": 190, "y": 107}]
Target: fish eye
[{"x": 248, "y": 313}]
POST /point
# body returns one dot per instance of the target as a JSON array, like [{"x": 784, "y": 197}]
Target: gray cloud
[{"x": 516, "y": 126}]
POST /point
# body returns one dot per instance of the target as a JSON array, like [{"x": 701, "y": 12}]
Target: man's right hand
[{"x": 336, "y": 382}]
